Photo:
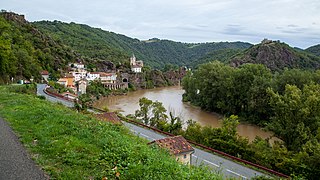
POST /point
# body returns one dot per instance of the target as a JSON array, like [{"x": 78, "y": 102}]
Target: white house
[
  {"x": 79, "y": 74},
  {"x": 91, "y": 76},
  {"x": 82, "y": 86},
  {"x": 77, "y": 65},
  {"x": 136, "y": 68},
  {"x": 108, "y": 77}
]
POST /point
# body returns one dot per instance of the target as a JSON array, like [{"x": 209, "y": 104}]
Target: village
[{"x": 78, "y": 78}]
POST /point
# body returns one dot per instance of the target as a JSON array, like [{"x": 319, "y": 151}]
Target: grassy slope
[{"x": 69, "y": 145}]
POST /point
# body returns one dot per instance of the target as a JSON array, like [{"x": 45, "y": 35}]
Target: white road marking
[
  {"x": 194, "y": 156},
  {"x": 146, "y": 136},
  {"x": 243, "y": 177},
  {"x": 216, "y": 165}
]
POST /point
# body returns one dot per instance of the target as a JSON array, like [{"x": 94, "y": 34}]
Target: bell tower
[{"x": 132, "y": 60}]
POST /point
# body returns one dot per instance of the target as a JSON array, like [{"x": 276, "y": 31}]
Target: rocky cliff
[{"x": 276, "y": 56}]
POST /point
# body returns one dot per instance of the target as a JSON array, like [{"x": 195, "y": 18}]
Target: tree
[
  {"x": 159, "y": 114},
  {"x": 175, "y": 124},
  {"x": 84, "y": 101},
  {"x": 145, "y": 110},
  {"x": 296, "y": 114},
  {"x": 229, "y": 126}
]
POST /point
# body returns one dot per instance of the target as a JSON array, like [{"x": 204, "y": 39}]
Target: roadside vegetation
[
  {"x": 69, "y": 145},
  {"x": 286, "y": 103}
]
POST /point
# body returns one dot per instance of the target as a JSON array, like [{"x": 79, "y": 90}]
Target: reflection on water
[{"x": 171, "y": 97}]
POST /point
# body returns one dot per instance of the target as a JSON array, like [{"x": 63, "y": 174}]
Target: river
[{"x": 171, "y": 97}]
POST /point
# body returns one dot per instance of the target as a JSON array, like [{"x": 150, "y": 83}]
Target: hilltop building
[{"x": 136, "y": 66}]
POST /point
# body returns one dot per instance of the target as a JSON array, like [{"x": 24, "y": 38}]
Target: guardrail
[{"x": 57, "y": 95}]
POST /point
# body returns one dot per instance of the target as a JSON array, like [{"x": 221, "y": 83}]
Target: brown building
[{"x": 177, "y": 146}]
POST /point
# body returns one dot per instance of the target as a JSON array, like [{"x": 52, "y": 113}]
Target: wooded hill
[
  {"x": 314, "y": 50},
  {"x": 97, "y": 43},
  {"x": 276, "y": 56},
  {"x": 25, "y": 51}
]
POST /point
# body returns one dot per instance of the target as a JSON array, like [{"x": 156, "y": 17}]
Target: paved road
[
  {"x": 217, "y": 163},
  {"x": 41, "y": 87},
  {"x": 14, "y": 160}
]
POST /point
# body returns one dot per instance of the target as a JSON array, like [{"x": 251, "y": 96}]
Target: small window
[{"x": 185, "y": 156}]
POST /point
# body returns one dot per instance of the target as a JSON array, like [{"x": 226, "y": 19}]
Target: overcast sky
[{"x": 296, "y": 22}]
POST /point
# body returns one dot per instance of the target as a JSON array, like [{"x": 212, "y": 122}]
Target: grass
[{"x": 69, "y": 145}]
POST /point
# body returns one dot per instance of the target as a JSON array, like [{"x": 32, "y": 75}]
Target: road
[
  {"x": 15, "y": 162},
  {"x": 40, "y": 91},
  {"x": 226, "y": 167}
]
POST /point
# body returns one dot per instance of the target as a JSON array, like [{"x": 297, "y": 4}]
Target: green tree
[
  {"x": 229, "y": 125},
  {"x": 144, "y": 112},
  {"x": 175, "y": 124},
  {"x": 84, "y": 101},
  {"x": 296, "y": 114},
  {"x": 159, "y": 114}
]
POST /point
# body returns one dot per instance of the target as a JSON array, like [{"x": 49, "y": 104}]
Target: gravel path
[{"x": 15, "y": 162}]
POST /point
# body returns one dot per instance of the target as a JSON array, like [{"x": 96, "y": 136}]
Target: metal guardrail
[{"x": 57, "y": 95}]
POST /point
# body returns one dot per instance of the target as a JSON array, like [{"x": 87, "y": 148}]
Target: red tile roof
[
  {"x": 110, "y": 117},
  {"x": 44, "y": 72},
  {"x": 176, "y": 145}
]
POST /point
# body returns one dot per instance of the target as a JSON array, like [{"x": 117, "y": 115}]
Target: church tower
[{"x": 132, "y": 60}]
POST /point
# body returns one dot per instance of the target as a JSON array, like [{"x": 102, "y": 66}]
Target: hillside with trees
[
  {"x": 222, "y": 55},
  {"x": 96, "y": 43},
  {"x": 25, "y": 51},
  {"x": 314, "y": 50},
  {"x": 276, "y": 56}
]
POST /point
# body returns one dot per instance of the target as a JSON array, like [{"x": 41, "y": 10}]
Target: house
[
  {"x": 69, "y": 95},
  {"x": 110, "y": 117},
  {"x": 91, "y": 76},
  {"x": 82, "y": 86},
  {"x": 178, "y": 146},
  {"x": 136, "y": 66},
  {"x": 45, "y": 75},
  {"x": 108, "y": 77},
  {"x": 79, "y": 74},
  {"x": 136, "y": 69},
  {"x": 77, "y": 65},
  {"x": 68, "y": 82}
]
